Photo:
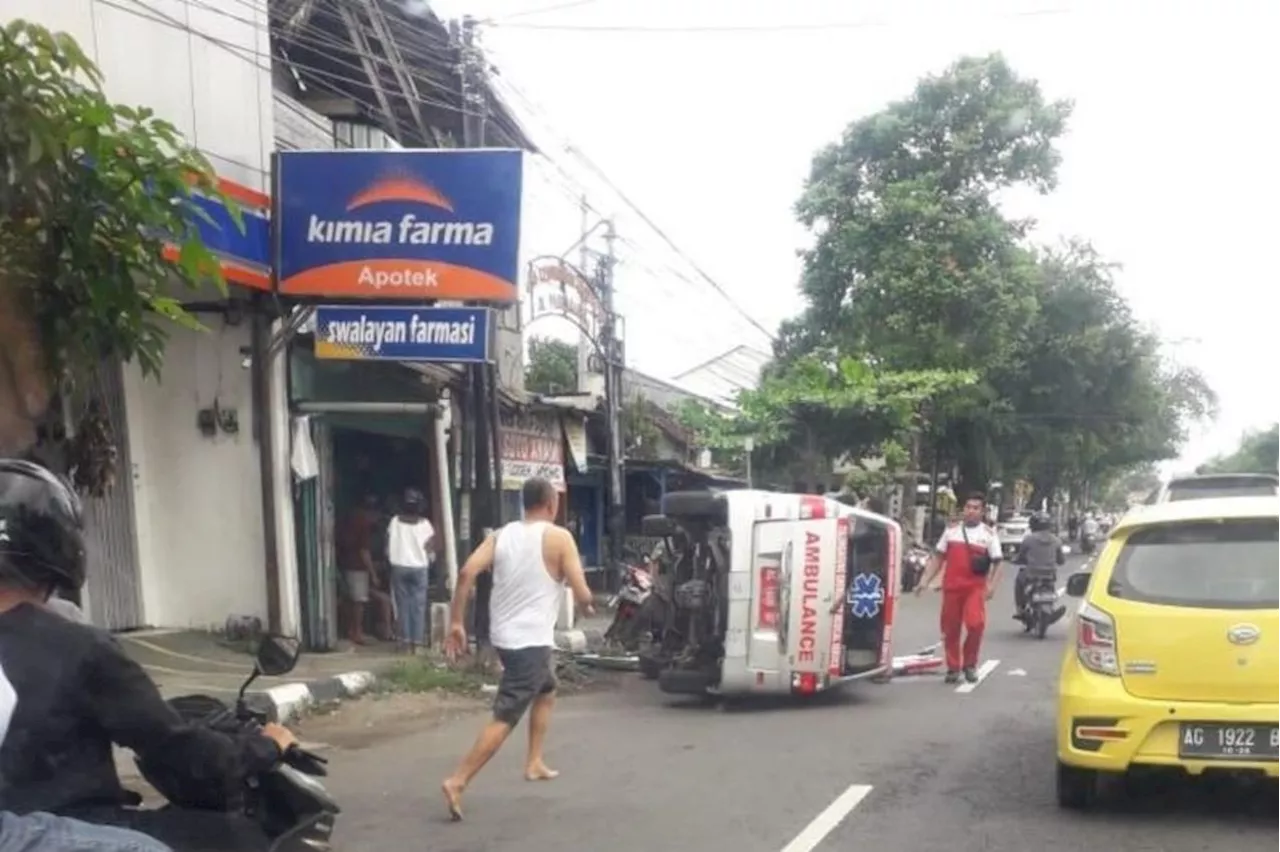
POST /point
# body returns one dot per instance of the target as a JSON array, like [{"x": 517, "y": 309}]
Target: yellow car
[{"x": 1175, "y": 661}]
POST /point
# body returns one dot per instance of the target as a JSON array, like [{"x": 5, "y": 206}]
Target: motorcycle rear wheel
[{"x": 1042, "y": 623}]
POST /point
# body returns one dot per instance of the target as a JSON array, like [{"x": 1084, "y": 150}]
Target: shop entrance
[
  {"x": 372, "y": 470},
  {"x": 367, "y": 463}
]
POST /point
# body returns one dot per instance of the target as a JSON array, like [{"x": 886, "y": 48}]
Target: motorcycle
[
  {"x": 292, "y": 808},
  {"x": 1088, "y": 543},
  {"x": 914, "y": 564},
  {"x": 1040, "y": 605},
  {"x": 628, "y": 625}
]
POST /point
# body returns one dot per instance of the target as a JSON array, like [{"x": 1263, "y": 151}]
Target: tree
[
  {"x": 915, "y": 267},
  {"x": 1258, "y": 452},
  {"x": 1087, "y": 390},
  {"x": 822, "y": 407},
  {"x": 913, "y": 262},
  {"x": 93, "y": 192},
  {"x": 552, "y": 368}
]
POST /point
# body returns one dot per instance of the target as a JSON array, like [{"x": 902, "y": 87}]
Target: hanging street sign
[
  {"x": 394, "y": 333},
  {"x": 558, "y": 289},
  {"x": 381, "y": 225}
]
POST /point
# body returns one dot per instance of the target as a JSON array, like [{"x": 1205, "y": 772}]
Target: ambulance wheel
[
  {"x": 1077, "y": 788},
  {"x": 695, "y": 504}
]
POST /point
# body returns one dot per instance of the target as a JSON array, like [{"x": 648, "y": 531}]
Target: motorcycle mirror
[{"x": 277, "y": 655}]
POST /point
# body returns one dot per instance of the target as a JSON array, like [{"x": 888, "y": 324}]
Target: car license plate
[
  {"x": 1044, "y": 597},
  {"x": 1228, "y": 742}
]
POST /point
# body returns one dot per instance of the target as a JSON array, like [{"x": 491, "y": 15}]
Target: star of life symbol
[{"x": 866, "y": 596}]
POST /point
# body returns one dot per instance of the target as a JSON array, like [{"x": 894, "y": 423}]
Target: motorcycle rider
[
  {"x": 1090, "y": 529},
  {"x": 1040, "y": 553},
  {"x": 79, "y": 694}
]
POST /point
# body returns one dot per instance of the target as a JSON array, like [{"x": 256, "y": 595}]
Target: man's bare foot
[
  {"x": 453, "y": 798},
  {"x": 540, "y": 772}
]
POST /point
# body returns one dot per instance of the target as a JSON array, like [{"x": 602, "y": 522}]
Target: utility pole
[
  {"x": 613, "y": 390},
  {"x": 481, "y": 404},
  {"x": 584, "y": 258}
]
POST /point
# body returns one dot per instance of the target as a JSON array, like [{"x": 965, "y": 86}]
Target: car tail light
[{"x": 1096, "y": 641}]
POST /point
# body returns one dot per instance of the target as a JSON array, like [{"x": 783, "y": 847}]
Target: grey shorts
[{"x": 526, "y": 674}]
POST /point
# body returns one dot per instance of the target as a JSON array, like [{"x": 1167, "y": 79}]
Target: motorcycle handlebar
[{"x": 306, "y": 761}]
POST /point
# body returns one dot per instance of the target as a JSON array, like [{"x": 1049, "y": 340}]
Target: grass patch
[{"x": 424, "y": 674}]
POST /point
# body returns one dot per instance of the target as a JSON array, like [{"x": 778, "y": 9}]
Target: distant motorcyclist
[
  {"x": 78, "y": 694},
  {"x": 1039, "y": 555}
]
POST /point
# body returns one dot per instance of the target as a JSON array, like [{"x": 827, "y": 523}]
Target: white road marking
[
  {"x": 824, "y": 823},
  {"x": 1017, "y": 673},
  {"x": 983, "y": 670}
]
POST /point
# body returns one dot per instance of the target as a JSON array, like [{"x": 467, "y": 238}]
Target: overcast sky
[{"x": 710, "y": 133}]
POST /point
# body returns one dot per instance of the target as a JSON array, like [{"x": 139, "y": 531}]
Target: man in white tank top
[{"x": 532, "y": 560}]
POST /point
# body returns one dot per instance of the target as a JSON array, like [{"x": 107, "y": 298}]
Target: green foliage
[
  {"x": 1258, "y": 452},
  {"x": 1087, "y": 390},
  {"x": 913, "y": 260},
  {"x": 552, "y": 367},
  {"x": 639, "y": 426},
  {"x": 834, "y": 405},
  {"x": 93, "y": 192},
  {"x": 916, "y": 273}
]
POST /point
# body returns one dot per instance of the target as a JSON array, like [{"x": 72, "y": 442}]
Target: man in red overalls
[{"x": 970, "y": 554}]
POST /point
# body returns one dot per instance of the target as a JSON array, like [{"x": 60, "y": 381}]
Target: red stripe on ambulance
[{"x": 835, "y": 661}]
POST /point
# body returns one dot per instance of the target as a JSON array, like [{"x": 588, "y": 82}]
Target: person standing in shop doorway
[
  {"x": 410, "y": 545},
  {"x": 532, "y": 560},
  {"x": 355, "y": 557},
  {"x": 969, "y": 557}
]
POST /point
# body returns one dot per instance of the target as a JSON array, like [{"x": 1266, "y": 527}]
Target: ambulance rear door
[{"x": 797, "y": 595}]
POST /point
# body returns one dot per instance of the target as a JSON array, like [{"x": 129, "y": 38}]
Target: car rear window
[
  {"x": 1225, "y": 486},
  {"x": 1205, "y": 564}
]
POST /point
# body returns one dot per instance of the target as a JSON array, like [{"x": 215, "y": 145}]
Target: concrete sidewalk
[{"x": 189, "y": 661}]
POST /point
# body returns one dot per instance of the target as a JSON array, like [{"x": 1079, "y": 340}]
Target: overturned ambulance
[{"x": 771, "y": 593}]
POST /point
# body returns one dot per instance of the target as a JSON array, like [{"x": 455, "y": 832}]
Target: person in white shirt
[
  {"x": 410, "y": 546},
  {"x": 531, "y": 560}
]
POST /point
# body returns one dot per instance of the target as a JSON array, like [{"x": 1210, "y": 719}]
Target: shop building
[{"x": 186, "y": 538}]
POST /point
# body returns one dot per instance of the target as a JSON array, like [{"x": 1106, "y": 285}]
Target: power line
[
  {"x": 319, "y": 38},
  {"x": 657, "y": 229},
  {"x": 541, "y": 10},
  {"x": 748, "y": 28}
]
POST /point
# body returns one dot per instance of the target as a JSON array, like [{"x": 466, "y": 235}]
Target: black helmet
[
  {"x": 1040, "y": 522},
  {"x": 41, "y": 529},
  {"x": 414, "y": 500}
]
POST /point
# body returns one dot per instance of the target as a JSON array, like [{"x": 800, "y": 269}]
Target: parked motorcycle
[
  {"x": 293, "y": 809},
  {"x": 629, "y": 605},
  {"x": 914, "y": 564}
]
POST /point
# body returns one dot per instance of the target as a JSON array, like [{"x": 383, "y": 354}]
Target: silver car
[
  {"x": 1012, "y": 532},
  {"x": 1208, "y": 485}
]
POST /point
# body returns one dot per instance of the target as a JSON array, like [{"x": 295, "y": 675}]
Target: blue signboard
[
  {"x": 394, "y": 333},
  {"x": 388, "y": 225}
]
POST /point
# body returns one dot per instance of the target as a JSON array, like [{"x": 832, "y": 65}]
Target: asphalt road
[{"x": 911, "y": 766}]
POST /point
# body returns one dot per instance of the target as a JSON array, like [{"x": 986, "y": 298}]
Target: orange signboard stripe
[{"x": 398, "y": 279}]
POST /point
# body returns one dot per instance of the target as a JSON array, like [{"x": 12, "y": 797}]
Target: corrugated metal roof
[{"x": 722, "y": 377}]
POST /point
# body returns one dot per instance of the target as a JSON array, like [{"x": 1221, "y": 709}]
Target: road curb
[
  {"x": 579, "y": 641},
  {"x": 291, "y": 700}
]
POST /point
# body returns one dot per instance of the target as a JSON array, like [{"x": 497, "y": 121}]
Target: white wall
[
  {"x": 197, "y": 499},
  {"x": 206, "y": 69}
]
